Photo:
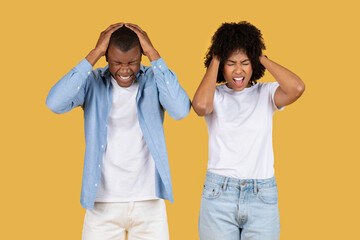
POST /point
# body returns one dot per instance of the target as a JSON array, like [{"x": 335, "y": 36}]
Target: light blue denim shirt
[{"x": 159, "y": 90}]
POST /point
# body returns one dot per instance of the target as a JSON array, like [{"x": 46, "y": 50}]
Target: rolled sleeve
[
  {"x": 159, "y": 66},
  {"x": 172, "y": 96},
  {"x": 84, "y": 68},
  {"x": 69, "y": 91}
]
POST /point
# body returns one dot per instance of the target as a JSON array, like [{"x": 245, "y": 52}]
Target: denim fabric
[
  {"x": 159, "y": 90},
  {"x": 233, "y": 209}
]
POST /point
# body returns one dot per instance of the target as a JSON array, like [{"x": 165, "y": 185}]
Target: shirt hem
[{"x": 126, "y": 199}]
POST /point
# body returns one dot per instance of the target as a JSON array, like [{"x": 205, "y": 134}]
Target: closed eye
[
  {"x": 230, "y": 63},
  {"x": 246, "y": 62}
]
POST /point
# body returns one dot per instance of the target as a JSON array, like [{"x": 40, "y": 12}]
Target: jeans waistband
[{"x": 240, "y": 183}]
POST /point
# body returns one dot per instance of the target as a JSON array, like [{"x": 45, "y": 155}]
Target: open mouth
[
  {"x": 127, "y": 78},
  {"x": 239, "y": 81}
]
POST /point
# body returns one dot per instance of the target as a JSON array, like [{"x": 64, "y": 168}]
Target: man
[{"x": 126, "y": 171}]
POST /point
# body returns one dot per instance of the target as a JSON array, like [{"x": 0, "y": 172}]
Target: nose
[
  {"x": 238, "y": 69},
  {"x": 124, "y": 70}
]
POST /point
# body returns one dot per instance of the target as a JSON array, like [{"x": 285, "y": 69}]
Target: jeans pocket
[
  {"x": 211, "y": 191},
  {"x": 268, "y": 195}
]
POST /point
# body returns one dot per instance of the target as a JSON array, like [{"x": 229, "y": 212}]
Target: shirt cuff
[
  {"x": 84, "y": 67},
  {"x": 159, "y": 66}
]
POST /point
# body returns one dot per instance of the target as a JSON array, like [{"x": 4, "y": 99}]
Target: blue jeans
[{"x": 233, "y": 209}]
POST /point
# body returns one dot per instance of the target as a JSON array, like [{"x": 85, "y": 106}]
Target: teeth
[
  {"x": 125, "y": 78},
  {"x": 239, "y": 79}
]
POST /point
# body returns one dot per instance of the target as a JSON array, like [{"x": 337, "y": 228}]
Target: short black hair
[
  {"x": 232, "y": 37},
  {"x": 124, "y": 39}
]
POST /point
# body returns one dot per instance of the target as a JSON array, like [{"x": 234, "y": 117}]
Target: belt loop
[
  {"x": 225, "y": 183},
  {"x": 255, "y": 187}
]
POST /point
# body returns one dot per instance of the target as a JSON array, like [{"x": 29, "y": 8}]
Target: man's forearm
[{"x": 93, "y": 56}]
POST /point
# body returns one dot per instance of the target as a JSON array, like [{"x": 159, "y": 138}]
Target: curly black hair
[{"x": 231, "y": 37}]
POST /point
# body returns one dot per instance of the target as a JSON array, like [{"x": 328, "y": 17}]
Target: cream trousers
[{"x": 140, "y": 220}]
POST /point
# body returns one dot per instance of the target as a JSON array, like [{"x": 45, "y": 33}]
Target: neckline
[{"x": 134, "y": 84}]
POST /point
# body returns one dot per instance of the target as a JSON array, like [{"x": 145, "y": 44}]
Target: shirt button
[
  {"x": 78, "y": 88},
  {"x": 89, "y": 73},
  {"x": 99, "y": 165},
  {"x": 95, "y": 184},
  {"x": 154, "y": 67},
  {"x": 167, "y": 82},
  {"x": 102, "y": 146},
  {"x": 160, "y": 66}
]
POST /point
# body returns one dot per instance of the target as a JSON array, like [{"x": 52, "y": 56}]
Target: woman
[{"x": 239, "y": 199}]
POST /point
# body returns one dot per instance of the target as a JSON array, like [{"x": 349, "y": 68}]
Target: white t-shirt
[
  {"x": 240, "y": 132},
  {"x": 128, "y": 172}
]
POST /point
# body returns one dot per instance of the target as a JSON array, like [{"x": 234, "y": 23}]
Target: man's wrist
[
  {"x": 153, "y": 55},
  {"x": 94, "y": 55}
]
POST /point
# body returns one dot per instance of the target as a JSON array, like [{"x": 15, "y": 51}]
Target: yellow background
[{"x": 316, "y": 140}]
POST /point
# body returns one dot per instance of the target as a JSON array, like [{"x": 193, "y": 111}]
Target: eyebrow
[
  {"x": 235, "y": 61},
  {"x": 136, "y": 60},
  {"x": 128, "y": 62}
]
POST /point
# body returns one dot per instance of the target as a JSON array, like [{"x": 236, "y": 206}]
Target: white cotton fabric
[
  {"x": 128, "y": 171},
  {"x": 240, "y": 132},
  {"x": 138, "y": 220}
]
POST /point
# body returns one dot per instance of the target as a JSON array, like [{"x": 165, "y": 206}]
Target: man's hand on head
[
  {"x": 102, "y": 44},
  {"x": 145, "y": 42}
]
